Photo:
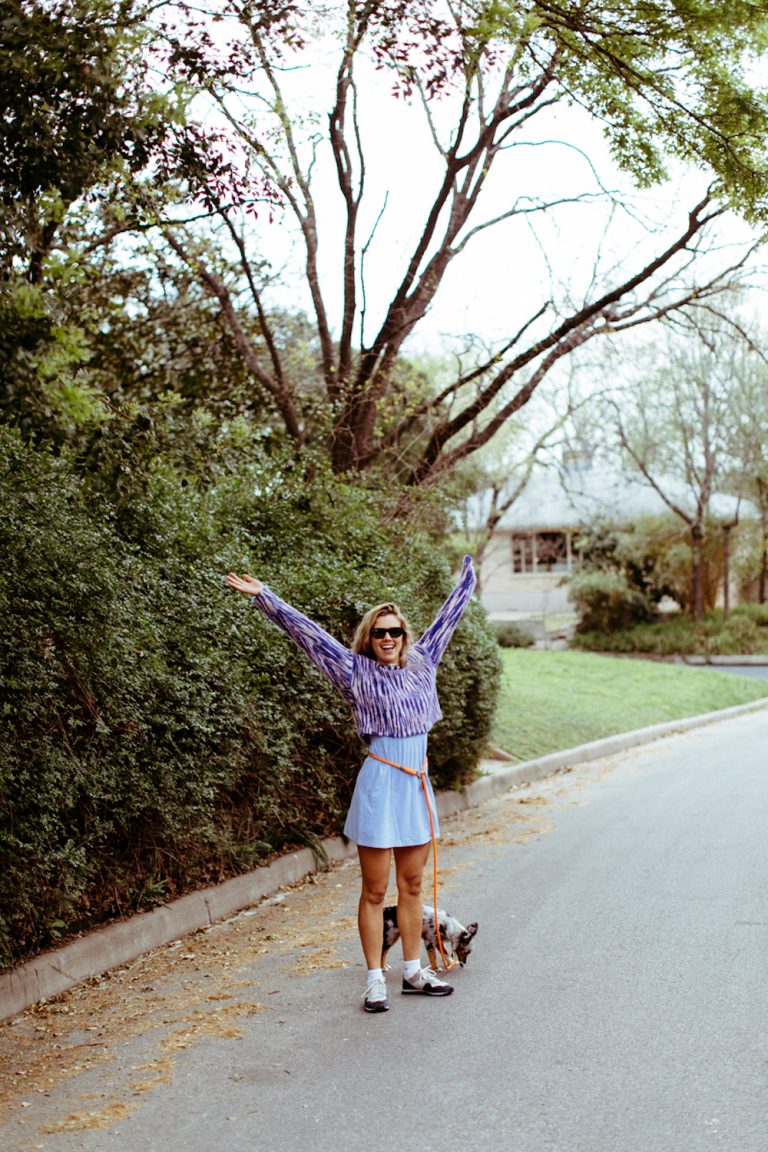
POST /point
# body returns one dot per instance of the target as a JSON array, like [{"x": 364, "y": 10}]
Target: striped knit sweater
[{"x": 385, "y": 700}]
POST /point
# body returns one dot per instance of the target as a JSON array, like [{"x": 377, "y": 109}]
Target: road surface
[
  {"x": 615, "y": 1000},
  {"x": 756, "y": 671}
]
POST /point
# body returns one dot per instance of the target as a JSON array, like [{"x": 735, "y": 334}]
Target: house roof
[{"x": 555, "y": 499}]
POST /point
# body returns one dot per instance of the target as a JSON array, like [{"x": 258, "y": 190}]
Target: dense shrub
[
  {"x": 745, "y": 632},
  {"x": 511, "y": 635},
  {"x": 156, "y": 732},
  {"x": 606, "y": 601},
  {"x": 654, "y": 555},
  {"x": 757, "y": 612},
  {"x": 740, "y": 634}
]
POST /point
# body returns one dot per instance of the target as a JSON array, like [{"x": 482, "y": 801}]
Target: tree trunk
[
  {"x": 726, "y": 570},
  {"x": 697, "y": 573}
]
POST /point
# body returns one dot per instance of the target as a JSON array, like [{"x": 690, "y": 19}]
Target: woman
[{"x": 389, "y": 683}]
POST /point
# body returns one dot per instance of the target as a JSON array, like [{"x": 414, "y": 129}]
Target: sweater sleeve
[
  {"x": 435, "y": 640},
  {"x": 332, "y": 658}
]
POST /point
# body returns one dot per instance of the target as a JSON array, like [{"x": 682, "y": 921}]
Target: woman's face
[{"x": 387, "y": 648}]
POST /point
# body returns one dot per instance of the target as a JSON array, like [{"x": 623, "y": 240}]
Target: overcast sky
[{"x": 505, "y": 272}]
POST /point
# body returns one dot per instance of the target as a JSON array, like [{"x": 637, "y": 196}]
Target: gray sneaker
[
  {"x": 375, "y": 997},
  {"x": 426, "y": 983}
]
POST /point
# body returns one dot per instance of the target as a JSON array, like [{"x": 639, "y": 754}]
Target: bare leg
[
  {"x": 409, "y": 864},
  {"x": 374, "y": 866}
]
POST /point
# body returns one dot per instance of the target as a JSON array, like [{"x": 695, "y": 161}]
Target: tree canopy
[
  {"x": 665, "y": 81},
  {"x": 180, "y": 137}
]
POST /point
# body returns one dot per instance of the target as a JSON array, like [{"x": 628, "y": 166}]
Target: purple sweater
[{"x": 385, "y": 701}]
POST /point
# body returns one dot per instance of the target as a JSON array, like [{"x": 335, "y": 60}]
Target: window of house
[
  {"x": 539, "y": 552},
  {"x": 522, "y": 554},
  {"x": 551, "y": 552}
]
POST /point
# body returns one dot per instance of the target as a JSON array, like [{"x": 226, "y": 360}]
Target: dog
[{"x": 456, "y": 939}]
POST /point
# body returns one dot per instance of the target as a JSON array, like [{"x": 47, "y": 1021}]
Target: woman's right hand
[{"x": 245, "y": 584}]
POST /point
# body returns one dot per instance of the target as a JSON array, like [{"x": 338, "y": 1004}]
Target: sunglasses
[{"x": 380, "y": 633}]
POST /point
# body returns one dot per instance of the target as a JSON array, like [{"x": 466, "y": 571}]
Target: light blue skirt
[{"x": 389, "y": 809}]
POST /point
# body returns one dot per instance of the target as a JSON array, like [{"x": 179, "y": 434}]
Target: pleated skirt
[{"x": 388, "y": 808}]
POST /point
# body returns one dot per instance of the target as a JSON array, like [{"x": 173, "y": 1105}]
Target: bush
[
  {"x": 607, "y": 602},
  {"x": 511, "y": 635},
  {"x": 671, "y": 638},
  {"x": 156, "y": 733},
  {"x": 654, "y": 554},
  {"x": 741, "y": 634},
  {"x": 757, "y": 613}
]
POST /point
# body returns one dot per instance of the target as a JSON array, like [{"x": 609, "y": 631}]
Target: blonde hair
[{"x": 362, "y": 638}]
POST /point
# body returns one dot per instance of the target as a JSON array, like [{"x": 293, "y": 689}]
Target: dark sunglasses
[{"x": 380, "y": 633}]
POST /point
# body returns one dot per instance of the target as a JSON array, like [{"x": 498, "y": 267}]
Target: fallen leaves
[{"x": 80, "y": 1121}]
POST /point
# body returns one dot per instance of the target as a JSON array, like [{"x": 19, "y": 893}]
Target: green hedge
[
  {"x": 744, "y": 633},
  {"x": 157, "y": 733}
]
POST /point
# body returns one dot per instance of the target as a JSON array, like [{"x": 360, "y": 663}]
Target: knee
[
  {"x": 374, "y": 893},
  {"x": 409, "y": 884}
]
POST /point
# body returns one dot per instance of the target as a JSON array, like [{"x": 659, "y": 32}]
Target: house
[{"x": 533, "y": 549}]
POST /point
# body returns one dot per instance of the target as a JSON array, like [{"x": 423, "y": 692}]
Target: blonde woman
[{"x": 389, "y": 683}]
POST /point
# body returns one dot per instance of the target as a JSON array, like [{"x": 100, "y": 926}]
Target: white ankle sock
[
  {"x": 375, "y": 974},
  {"x": 411, "y": 968}
]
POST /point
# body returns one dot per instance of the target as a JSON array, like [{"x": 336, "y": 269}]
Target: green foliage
[
  {"x": 758, "y": 612},
  {"x": 606, "y": 601},
  {"x": 653, "y": 556},
  {"x": 744, "y": 633},
  {"x": 665, "y": 80},
  {"x": 45, "y": 386},
  {"x": 70, "y": 56},
  {"x": 156, "y": 733},
  {"x": 511, "y": 635},
  {"x": 75, "y": 107}
]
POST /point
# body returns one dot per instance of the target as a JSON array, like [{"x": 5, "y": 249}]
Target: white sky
[{"x": 503, "y": 275}]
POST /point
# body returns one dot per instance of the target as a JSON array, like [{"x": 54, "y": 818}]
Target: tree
[
  {"x": 761, "y": 499},
  {"x": 684, "y": 422},
  {"x": 663, "y": 80},
  {"x": 748, "y": 435},
  {"x": 78, "y": 118},
  {"x": 75, "y": 106}
]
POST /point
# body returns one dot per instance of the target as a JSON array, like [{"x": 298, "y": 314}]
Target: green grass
[{"x": 554, "y": 700}]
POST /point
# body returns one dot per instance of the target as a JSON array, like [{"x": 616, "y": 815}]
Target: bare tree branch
[
  {"x": 569, "y": 330},
  {"x": 245, "y": 347}
]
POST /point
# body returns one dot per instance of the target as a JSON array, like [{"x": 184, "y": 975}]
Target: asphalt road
[
  {"x": 756, "y": 671},
  {"x": 615, "y": 1000}
]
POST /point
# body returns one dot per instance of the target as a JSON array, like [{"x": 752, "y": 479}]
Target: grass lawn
[{"x": 554, "y": 700}]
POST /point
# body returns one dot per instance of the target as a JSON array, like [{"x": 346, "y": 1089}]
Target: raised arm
[
  {"x": 435, "y": 640},
  {"x": 331, "y": 657}
]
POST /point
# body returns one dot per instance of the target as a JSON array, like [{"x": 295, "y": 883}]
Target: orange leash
[{"x": 422, "y": 775}]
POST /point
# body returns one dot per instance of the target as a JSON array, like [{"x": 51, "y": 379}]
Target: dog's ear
[{"x": 469, "y": 931}]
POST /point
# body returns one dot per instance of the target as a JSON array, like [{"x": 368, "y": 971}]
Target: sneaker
[
  {"x": 426, "y": 983},
  {"x": 375, "y": 997}
]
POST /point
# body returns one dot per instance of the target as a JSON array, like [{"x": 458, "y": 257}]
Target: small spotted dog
[{"x": 457, "y": 940}]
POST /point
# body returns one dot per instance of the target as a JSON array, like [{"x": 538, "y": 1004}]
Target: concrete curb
[
  {"x": 725, "y": 661},
  {"x": 52, "y": 973}
]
